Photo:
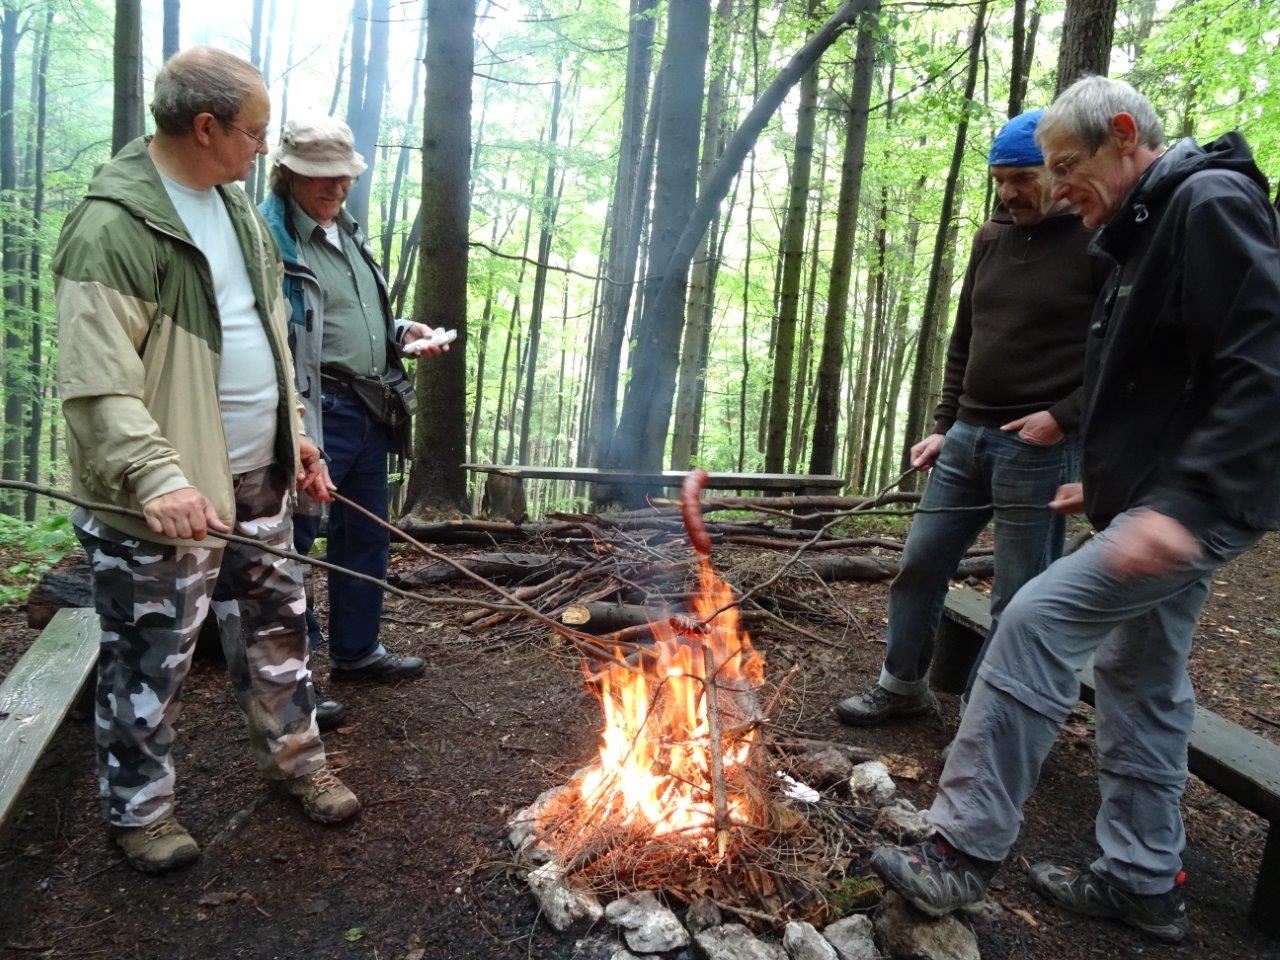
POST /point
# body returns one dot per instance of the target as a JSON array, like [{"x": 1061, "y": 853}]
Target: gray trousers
[{"x": 1139, "y": 633}]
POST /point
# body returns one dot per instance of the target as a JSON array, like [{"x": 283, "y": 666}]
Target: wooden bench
[
  {"x": 38, "y": 692},
  {"x": 504, "y": 491},
  {"x": 1236, "y": 762}
]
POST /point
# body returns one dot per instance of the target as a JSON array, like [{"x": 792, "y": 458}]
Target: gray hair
[
  {"x": 201, "y": 80},
  {"x": 1084, "y": 111}
]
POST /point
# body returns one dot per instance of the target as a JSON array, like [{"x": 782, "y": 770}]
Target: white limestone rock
[
  {"x": 902, "y": 822},
  {"x": 907, "y": 934},
  {"x": 852, "y": 938},
  {"x": 523, "y": 827},
  {"x": 802, "y": 941},
  {"x": 871, "y": 784},
  {"x": 701, "y": 915},
  {"x": 733, "y": 941},
  {"x": 647, "y": 925},
  {"x": 562, "y": 904}
]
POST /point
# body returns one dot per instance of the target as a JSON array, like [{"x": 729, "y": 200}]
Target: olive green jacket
[{"x": 140, "y": 344}]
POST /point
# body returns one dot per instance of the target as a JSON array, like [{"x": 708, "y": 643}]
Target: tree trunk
[
  {"x": 356, "y": 70},
  {"x": 792, "y": 269},
  {"x": 256, "y": 185},
  {"x": 630, "y": 188},
  {"x": 1020, "y": 67},
  {"x": 402, "y": 163},
  {"x": 171, "y": 33},
  {"x": 800, "y": 395},
  {"x": 697, "y": 336},
  {"x": 547, "y": 224},
  {"x": 126, "y": 116},
  {"x": 827, "y": 402},
  {"x": 440, "y": 298},
  {"x": 366, "y": 120},
  {"x": 342, "y": 70},
  {"x": 932, "y": 320},
  {"x": 10, "y": 259},
  {"x": 640, "y": 439},
  {"x": 288, "y": 64},
  {"x": 35, "y": 369},
  {"x": 1087, "y": 31}
]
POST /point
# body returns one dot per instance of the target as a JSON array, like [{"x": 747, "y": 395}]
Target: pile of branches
[
  {"x": 782, "y": 866},
  {"x": 610, "y": 575}
]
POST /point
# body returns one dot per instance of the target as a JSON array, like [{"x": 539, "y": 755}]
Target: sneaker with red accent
[
  {"x": 1163, "y": 915},
  {"x": 933, "y": 876}
]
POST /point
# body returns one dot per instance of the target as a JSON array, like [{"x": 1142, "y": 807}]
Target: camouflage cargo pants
[{"x": 151, "y": 599}]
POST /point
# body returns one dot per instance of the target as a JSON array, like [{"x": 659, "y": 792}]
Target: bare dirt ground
[{"x": 440, "y": 764}]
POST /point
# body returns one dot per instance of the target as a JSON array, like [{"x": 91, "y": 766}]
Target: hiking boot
[
  {"x": 879, "y": 704},
  {"x": 1163, "y": 915},
  {"x": 324, "y": 797},
  {"x": 933, "y": 876},
  {"x": 387, "y": 668},
  {"x": 158, "y": 847},
  {"x": 329, "y": 712}
]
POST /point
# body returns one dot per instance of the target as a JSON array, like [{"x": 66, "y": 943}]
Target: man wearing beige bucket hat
[{"x": 357, "y": 398}]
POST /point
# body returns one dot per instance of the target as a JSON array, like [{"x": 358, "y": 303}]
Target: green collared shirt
[{"x": 355, "y": 332}]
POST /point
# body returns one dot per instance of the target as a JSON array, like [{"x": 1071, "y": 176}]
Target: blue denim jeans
[
  {"x": 977, "y": 465},
  {"x": 356, "y": 446}
]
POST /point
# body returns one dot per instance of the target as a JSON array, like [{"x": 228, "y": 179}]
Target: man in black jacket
[{"x": 1181, "y": 455}]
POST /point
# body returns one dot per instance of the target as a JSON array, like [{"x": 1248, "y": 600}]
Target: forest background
[{"x": 809, "y": 335}]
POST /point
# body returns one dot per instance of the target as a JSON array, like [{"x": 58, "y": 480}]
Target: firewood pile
[{"x": 611, "y": 575}]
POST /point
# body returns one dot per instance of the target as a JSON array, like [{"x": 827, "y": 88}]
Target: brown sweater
[{"x": 1019, "y": 337}]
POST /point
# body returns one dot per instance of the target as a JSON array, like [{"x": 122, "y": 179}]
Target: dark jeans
[
  {"x": 977, "y": 465},
  {"x": 356, "y": 446}
]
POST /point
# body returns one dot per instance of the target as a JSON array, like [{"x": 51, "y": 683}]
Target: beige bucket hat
[{"x": 317, "y": 146}]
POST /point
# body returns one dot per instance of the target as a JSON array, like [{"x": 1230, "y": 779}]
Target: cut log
[
  {"x": 831, "y": 568},
  {"x": 600, "y": 618},
  {"x": 499, "y": 567},
  {"x": 67, "y": 587}
]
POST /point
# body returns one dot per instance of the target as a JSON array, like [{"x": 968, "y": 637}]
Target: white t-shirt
[
  {"x": 247, "y": 391},
  {"x": 331, "y": 234}
]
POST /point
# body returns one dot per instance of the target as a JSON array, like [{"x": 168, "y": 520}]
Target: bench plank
[
  {"x": 38, "y": 692},
  {"x": 1234, "y": 760},
  {"x": 664, "y": 478}
]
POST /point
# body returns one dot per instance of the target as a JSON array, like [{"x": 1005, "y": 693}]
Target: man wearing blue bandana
[{"x": 1005, "y": 430}]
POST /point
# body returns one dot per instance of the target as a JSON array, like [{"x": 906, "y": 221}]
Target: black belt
[{"x": 337, "y": 385}]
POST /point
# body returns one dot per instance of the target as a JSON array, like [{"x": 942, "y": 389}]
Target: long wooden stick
[{"x": 255, "y": 544}]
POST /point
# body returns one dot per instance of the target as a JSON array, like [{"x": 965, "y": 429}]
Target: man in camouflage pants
[{"x": 177, "y": 387}]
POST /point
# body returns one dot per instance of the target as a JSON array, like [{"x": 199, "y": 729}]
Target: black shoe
[
  {"x": 879, "y": 704},
  {"x": 1163, "y": 915},
  {"x": 933, "y": 876},
  {"x": 329, "y": 712},
  {"x": 386, "y": 669}
]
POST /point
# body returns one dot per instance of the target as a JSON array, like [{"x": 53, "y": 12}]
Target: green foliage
[
  {"x": 856, "y": 894},
  {"x": 30, "y": 551}
]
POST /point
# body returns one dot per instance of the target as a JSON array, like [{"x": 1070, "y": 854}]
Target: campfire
[
  {"x": 686, "y": 795},
  {"x": 679, "y": 727}
]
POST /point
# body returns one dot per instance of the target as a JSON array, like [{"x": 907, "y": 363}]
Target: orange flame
[{"x": 654, "y": 765}]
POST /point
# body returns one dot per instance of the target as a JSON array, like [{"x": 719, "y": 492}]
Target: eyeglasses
[
  {"x": 261, "y": 141},
  {"x": 1060, "y": 171}
]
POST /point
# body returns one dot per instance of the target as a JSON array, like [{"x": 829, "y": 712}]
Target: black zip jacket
[{"x": 1182, "y": 372}]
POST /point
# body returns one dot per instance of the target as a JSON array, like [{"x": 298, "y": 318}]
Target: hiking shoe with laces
[
  {"x": 933, "y": 876},
  {"x": 879, "y": 704},
  {"x": 158, "y": 847},
  {"x": 324, "y": 797},
  {"x": 1163, "y": 915}
]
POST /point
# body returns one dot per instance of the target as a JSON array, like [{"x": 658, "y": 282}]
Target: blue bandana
[{"x": 1015, "y": 144}]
